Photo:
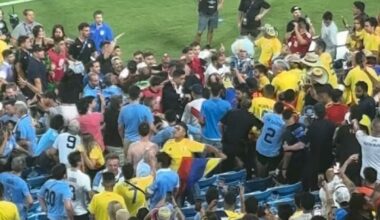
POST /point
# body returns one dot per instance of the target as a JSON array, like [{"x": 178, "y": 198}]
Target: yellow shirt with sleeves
[
  {"x": 261, "y": 105},
  {"x": 327, "y": 63},
  {"x": 297, "y": 73},
  {"x": 233, "y": 215},
  {"x": 8, "y": 211},
  {"x": 134, "y": 198},
  {"x": 355, "y": 44},
  {"x": 300, "y": 100},
  {"x": 377, "y": 30},
  {"x": 263, "y": 81},
  {"x": 99, "y": 204},
  {"x": 3, "y": 46},
  {"x": 286, "y": 80},
  {"x": 269, "y": 47},
  {"x": 357, "y": 74},
  {"x": 333, "y": 79},
  {"x": 97, "y": 155},
  {"x": 179, "y": 149},
  {"x": 371, "y": 42},
  {"x": 326, "y": 60}
]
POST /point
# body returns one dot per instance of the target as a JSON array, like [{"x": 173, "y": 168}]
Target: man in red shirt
[
  {"x": 58, "y": 56},
  {"x": 194, "y": 63},
  {"x": 154, "y": 92},
  {"x": 300, "y": 39},
  {"x": 335, "y": 110}
]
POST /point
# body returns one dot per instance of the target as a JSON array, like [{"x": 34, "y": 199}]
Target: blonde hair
[
  {"x": 113, "y": 207},
  {"x": 122, "y": 214},
  {"x": 88, "y": 141}
]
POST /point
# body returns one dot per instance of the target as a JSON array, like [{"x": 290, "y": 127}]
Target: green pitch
[{"x": 169, "y": 25}]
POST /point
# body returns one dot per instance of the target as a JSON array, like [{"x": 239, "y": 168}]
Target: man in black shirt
[
  {"x": 294, "y": 143},
  {"x": 320, "y": 136},
  {"x": 297, "y": 17},
  {"x": 172, "y": 94},
  {"x": 83, "y": 47},
  {"x": 251, "y": 12},
  {"x": 367, "y": 104},
  {"x": 346, "y": 145},
  {"x": 237, "y": 124},
  {"x": 208, "y": 18},
  {"x": 37, "y": 77},
  {"x": 22, "y": 56}
]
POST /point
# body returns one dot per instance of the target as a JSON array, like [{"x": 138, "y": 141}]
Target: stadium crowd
[{"x": 109, "y": 139}]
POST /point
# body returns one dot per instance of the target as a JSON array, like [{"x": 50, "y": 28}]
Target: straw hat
[
  {"x": 270, "y": 30},
  {"x": 318, "y": 74},
  {"x": 311, "y": 59},
  {"x": 164, "y": 213},
  {"x": 293, "y": 58}
]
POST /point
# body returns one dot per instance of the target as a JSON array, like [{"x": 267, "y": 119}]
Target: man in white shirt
[
  {"x": 217, "y": 65},
  {"x": 6, "y": 68},
  {"x": 370, "y": 145},
  {"x": 329, "y": 31},
  {"x": 80, "y": 186},
  {"x": 192, "y": 110},
  {"x": 66, "y": 142},
  {"x": 113, "y": 166}
]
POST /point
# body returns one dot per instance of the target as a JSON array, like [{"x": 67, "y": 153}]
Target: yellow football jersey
[
  {"x": 261, "y": 105},
  {"x": 133, "y": 197}
]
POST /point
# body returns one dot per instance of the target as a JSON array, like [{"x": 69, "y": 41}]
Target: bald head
[
  {"x": 21, "y": 108},
  {"x": 279, "y": 66}
]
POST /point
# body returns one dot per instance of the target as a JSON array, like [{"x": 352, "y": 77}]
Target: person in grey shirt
[
  {"x": 25, "y": 27},
  {"x": 329, "y": 31}
]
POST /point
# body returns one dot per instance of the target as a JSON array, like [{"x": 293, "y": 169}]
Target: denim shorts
[{"x": 207, "y": 21}]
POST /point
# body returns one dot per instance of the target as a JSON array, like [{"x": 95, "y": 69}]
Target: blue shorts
[{"x": 207, "y": 21}]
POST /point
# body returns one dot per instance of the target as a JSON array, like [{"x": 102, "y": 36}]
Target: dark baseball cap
[
  {"x": 295, "y": 8},
  {"x": 197, "y": 89}
]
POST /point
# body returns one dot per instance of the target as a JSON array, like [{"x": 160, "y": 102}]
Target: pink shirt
[{"x": 92, "y": 123}]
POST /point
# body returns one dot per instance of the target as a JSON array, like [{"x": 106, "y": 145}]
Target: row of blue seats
[
  {"x": 234, "y": 178},
  {"x": 38, "y": 216},
  {"x": 190, "y": 212}
]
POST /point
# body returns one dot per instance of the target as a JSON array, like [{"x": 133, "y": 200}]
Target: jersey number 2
[{"x": 269, "y": 135}]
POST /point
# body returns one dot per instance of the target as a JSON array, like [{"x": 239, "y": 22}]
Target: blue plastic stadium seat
[
  {"x": 34, "y": 193},
  {"x": 275, "y": 204},
  {"x": 231, "y": 177},
  {"x": 207, "y": 182},
  {"x": 31, "y": 172},
  {"x": 36, "y": 208},
  {"x": 287, "y": 190},
  {"x": 38, "y": 216},
  {"x": 261, "y": 196},
  {"x": 316, "y": 196},
  {"x": 283, "y": 201},
  {"x": 189, "y": 212},
  {"x": 36, "y": 182},
  {"x": 258, "y": 184},
  {"x": 201, "y": 187}
]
